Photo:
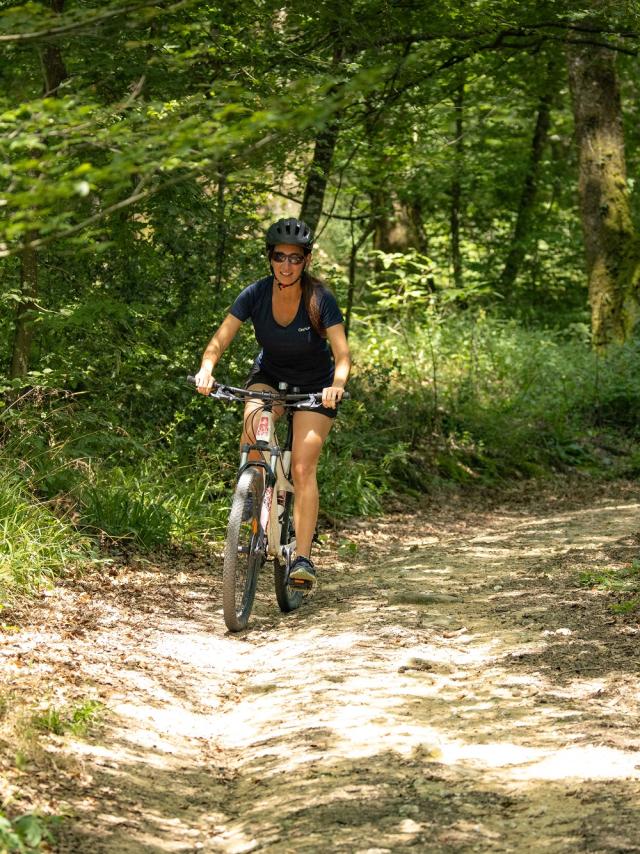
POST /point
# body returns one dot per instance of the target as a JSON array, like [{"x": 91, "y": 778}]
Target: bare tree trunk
[
  {"x": 529, "y": 192},
  {"x": 398, "y": 225},
  {"x": 222, "y": 231},
  {"x": 355, "y": 247},
  {"x": 320, "y": 169},
  {"x": 319, "y": 174},
  {"x": 456, "y": 186},
  {"x": 23, "y": 334},
  {"x": 53, "y": 72},
  {"x": 611, "y": 246}
]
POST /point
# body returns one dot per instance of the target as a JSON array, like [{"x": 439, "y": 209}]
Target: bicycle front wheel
[
  {"x": 288, "y": 598},
  {"x": 241, "y": 560}
]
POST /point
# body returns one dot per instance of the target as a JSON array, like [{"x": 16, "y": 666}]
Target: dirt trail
[{"x": 449, "y": 688}]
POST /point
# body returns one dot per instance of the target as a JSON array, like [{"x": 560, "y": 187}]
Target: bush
[
  {"x": 35, "y": 544},
  {"x": 478, "y": 399},
  {"x": 24, "y": 835},
  {"x": 153, "y": 505},
  {"x": 443, "y": 398}
]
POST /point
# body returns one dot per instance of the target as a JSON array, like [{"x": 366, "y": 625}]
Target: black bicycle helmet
[{"x": 292, "y": 231}]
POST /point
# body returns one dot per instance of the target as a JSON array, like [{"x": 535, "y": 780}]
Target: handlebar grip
[
  {"x": 346, "y": 396},
  {"x": 192, "y": 381}
]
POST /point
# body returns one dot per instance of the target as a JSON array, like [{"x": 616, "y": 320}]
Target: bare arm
[
  {"x": 223, "y": 336},
  {"x": 342, "y": 359}
]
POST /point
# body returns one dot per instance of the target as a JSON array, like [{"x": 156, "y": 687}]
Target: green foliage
[
  {"x": 25, "y": 834},
  {"x": 404, "y": 283},
  {"x": 148, "y": 509},
  {"x": 125, "y": 512},
  {"x": 145, "y": 181},
  {"x": 77, "y": 721},
  {"x": 477, "y": 399},
  {"x": 445, "y": 398},
  {"x": 35, "y": 545},
  {"x": 452, "y": 399},
  {"x": 623, "y": 582}
]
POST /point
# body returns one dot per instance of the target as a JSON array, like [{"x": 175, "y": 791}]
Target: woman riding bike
[{"x": 294, "y": 316}]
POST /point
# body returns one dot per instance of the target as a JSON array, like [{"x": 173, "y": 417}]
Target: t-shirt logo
[{"x": 303, "y": 328}]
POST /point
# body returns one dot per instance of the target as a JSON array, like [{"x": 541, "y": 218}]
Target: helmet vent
[{"x": 290, "y": 230}]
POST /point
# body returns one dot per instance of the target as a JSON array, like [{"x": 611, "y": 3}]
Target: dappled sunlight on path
[{"x": 449, "y": 687}]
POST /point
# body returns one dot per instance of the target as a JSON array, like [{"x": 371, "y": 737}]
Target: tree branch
[
  {"x": 138, "y": 195},
  {"x": 63, "y": 29},
  {"x": 516, "y": 32},
  {"x": 591, "y": 43},
  {"x": 289, "y": 197}
]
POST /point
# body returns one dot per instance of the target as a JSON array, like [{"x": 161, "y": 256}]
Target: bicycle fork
[
  {"x": 272, "y": 537},
  {"x": 268, "y": 536}
]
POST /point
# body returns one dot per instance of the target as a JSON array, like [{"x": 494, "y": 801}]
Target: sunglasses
[{"x": 281, "y": 257}]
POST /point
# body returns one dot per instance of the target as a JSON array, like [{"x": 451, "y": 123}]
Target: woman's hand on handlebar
[
  {"x": 331, "y": 396},
  {"x": 204, "y": 380}
]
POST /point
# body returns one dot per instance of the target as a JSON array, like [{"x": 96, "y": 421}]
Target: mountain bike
[{"x": 260, "y": 526}]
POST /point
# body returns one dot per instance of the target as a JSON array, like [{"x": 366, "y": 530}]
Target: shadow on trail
[
  {"x": 498, "y": 711},
  {"x": 385, "y": 801}
]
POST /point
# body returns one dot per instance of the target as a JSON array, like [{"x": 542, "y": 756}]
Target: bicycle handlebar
[{"x": 227, "y": 392}]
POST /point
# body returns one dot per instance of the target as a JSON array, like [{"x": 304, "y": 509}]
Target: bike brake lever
[
  {"x": 222, "y": 393},
  {"x": 311, "y": 402}
]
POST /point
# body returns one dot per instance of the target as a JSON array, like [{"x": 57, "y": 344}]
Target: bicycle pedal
[{"x": 300, "y": 583}]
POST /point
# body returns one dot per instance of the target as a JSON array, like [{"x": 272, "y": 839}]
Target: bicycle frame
[
  {"x": 277, "y": 470},
  {"x": 277, "y": 479},
  {"x": 257, "y": 532}
]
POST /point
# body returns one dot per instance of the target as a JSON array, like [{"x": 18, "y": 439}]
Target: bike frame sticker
[
  {"x": 262, "y": 433},
  {"x": 266, "y": 507}
]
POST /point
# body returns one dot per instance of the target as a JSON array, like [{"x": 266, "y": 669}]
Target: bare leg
[{"x": 310, "y": 429}]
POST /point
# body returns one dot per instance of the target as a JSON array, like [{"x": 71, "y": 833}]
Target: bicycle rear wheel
[
  {"x": 288, "y": 598},
  {"x": 241, "y": 561}
]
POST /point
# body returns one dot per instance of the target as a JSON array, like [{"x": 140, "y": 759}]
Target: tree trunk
[
  {"x": 398, "y": 225},
  {"x": 25, "y": 312},
  {"x": 611, "y": 246},
  {"x": 53, "y": 72},
  {"x": 355, "y": 247},
  {"x": 320, "y": 169},
  {"x": 529, "y": 193},
  {"x": 456, "y": 186},
  {"x": 319, "y": 174},
  {"x": 222, "y": 231}
]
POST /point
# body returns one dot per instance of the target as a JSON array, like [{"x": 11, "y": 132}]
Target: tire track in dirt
[{"x": 449, "y": 688}]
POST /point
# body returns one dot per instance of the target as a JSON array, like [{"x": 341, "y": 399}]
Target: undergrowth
[
  {"x": 439, "y": 401},
  {"x": 622, "y": 583},
  {"x": 36, "y": 542},
  {"x": 25, "y": 834},
  {"x": 467, "y": 400},
  {"x": 77, "y": 720}
]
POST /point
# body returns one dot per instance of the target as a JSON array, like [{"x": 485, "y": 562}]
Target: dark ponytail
[{"x": 312, "y": 290}]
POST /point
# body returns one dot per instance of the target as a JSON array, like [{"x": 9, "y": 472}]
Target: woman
[{"x": 293, "y": 316}]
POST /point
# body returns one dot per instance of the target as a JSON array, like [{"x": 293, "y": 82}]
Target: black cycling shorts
[{"x": 257, "y": 375}]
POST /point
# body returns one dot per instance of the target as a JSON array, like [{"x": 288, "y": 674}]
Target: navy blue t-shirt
[{"x": 294, "y": 354}]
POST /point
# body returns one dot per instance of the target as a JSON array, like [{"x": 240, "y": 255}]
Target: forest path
[{"x": 449, "y": 688}]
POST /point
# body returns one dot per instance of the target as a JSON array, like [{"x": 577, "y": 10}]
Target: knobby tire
[
  {"x": 241, "y": 563},
  {"x": 288, "y": 598}
]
